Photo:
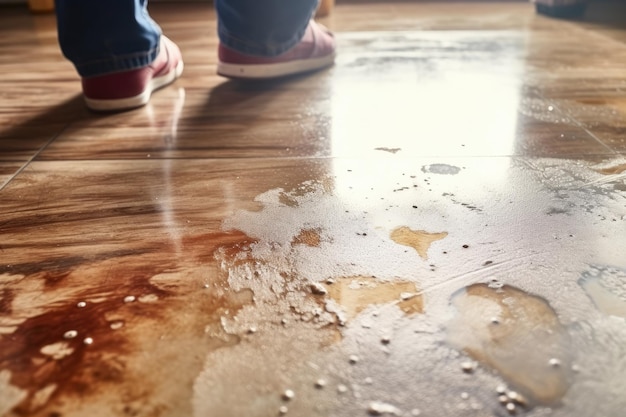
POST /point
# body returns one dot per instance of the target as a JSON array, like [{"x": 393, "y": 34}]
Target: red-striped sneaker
[
  {"x": 315, "y": 51},
  {"x": 130, "y": 89}
]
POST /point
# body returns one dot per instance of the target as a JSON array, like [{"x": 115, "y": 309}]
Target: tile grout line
[
  {"x": 35, "y": 155},
  {"x": 578, "y": 123}
]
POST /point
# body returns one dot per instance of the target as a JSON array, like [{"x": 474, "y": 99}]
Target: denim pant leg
[
  {"x": 263, "y": 27},
  {"x": 105, "y": 36}
]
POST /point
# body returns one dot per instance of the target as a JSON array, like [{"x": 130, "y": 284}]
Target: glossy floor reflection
[{"x": 435, "y": 226}]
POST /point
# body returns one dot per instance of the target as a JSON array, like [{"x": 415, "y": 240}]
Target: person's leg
[
  {"x": 117, "y": 49},
  {"x": 100, "y": 37},
  {"x": 271, "y": 38},
  {"x": 263, "y": 27}
]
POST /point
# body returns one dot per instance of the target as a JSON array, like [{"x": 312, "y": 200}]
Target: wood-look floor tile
[
  {"x": 110, "y": 268},
  {"x": 7, "y": 171},
  {"x": 414, "y": 91},
  {"x": 603, "y": 117},
  {"x": 21, "y": 143},
  {"x": 406, "y": 15},
  {"x": 360, "y": 236}
]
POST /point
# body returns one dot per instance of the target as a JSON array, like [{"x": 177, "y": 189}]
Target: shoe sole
[
  {"x": 267, "y": 71},
  {"x": 138, "y": 100}
]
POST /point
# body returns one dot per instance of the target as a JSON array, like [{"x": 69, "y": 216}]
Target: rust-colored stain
[
  {"x": 419, "y": 240},
  {"x": 355, "y": 294},
  {"x": 308, "y": 237},
  {"x": 517, "y": 334},
  {"x": 289, "y": 197},
  {"x": 130, "y": 302}
]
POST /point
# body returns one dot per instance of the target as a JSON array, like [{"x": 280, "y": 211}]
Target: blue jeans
[{"x": 105, "y": 36}]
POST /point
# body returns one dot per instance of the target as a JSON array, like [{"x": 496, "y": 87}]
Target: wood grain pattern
[{"x": 163, "y": 261}]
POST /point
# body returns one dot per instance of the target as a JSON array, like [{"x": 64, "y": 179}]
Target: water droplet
[
  {"x": 288, "y": 395},
  {"x": 554, "y": 362},
  {"x": 283, "y": 322},
  {"x": 377, "y": 408},
  {"x": 495, "y": 320},
  {"x": 206, "y": 286},
  {"x": 341, "y": 388},
  {"x": 330, "y": 281},
  {"x": 368, "y": 380},
  {"x": 148, "y": 298},
  {"x": 353, "y": 359},
  {"x": 129, "y": 298},
  {"x": 503, "y": 399},
  {"x": 283, "y": 409},
  {"x": 468, "y": 367},
  {"x": 252, "y": 330},
  {"x": 88, "y": 341},
  {"x": 320, "y": 383},
  {"x": 117, "y": 325},
  {"x": 501, "y": 389},
  {"x": 517, "y": 398},
  {"x": 81, "y": 304},
  {"x": 550, "y": 108},
  {"x": 464, "y": 395},
  {"x": 510, "y": 407},
  {"x": 495, "y": 284},
  {"x": 70, "y": 334},
  {"x": 318, "y": 289}
]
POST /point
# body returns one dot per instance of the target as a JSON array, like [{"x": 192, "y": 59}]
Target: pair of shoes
[
  {"x": 315, "y": 51},
  {"x": 129, "y": 89}
]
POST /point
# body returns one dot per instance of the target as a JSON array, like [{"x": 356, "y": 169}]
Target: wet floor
[{"x": 434, "y": 227}]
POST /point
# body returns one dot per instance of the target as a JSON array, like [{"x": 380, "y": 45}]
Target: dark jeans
[{"x": 106, "y": 36}]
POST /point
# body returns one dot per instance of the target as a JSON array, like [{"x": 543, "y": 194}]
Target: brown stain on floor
[
  {"x": 516, "y": 334},
  {"x": 419, "y": 240},
  {"x": 308, "y": 237},
  {"x": 355, "y": 294},
  {"x": 55, "y": 371}
]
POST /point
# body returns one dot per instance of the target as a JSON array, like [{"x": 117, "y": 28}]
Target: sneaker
[
  {"x": 315, "y": 51},
  {"x": 130, "y": 89}
]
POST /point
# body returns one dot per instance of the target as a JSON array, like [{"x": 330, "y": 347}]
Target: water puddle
[
  {"x": 606, "y": 287},
  {"x": 419, "y": 240},
  {"x": 441, "y": 169},
  {"x": 355, "y": 294},
  {"x": 517, "y": 334}
]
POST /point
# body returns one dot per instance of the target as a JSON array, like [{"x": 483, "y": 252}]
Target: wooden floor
[{"x": 435, "y": 226}]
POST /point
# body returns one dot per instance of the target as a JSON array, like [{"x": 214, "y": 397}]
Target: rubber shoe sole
[
  {"x": 274, "y": 70},
  {"x": 140, "y": 99}
]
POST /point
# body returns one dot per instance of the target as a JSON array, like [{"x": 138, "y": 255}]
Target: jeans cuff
[
  {"x": 266, "y": 49},
  {"x": 119, "y": 63}
]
